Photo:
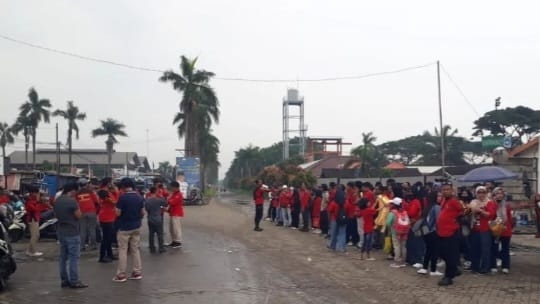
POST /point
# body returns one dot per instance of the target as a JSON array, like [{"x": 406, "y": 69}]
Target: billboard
[{"x": 188, "y": 171}]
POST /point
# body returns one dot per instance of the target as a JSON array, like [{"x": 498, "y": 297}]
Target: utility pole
[
  {"x": 441, "y": 131},
  {"x": 58, "y": 153}
]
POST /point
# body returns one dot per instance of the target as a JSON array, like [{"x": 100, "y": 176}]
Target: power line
[
  {"x": 460, "y": 91},
  {"x": 146, "y": 69}
]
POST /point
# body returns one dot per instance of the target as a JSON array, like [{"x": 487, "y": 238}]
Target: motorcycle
[
  {"x": 7, "y": 262},
  {"x": 18, "y": 228}
]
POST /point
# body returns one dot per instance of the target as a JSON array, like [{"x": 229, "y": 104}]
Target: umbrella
[{"x": 486, "y": 174}]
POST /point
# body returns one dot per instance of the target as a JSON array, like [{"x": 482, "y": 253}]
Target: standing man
[
  {"x": 130, "y": 210},
  {"x": 305, "y": 198},
  {"x": 258, "y": 199},
  {"x": 449, "y": 234},
  {"x": 88, "y": 202},
  {"x": 68, "y": 214},
  {"x": 176, "y": 212},
  {"x": 34, "y": 206},
  {"x": 154, "y": 206}
]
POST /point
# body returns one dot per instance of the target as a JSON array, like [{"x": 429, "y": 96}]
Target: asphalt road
[{"x": 225, "y": 261}]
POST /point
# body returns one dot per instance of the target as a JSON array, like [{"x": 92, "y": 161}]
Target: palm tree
[
  {"x": 36, "y": 110},
  {"x": 110, "y": 128},
  {"x": 453, "y": 147},
  {"x": 6, "y": 137},
  {"x": 165, "y": 168},
  {"x": 71, "y": 114},
  {"x": 209, "y": 149},
  {"x": 24, "y": 125},
  {"x": 365, "y": 151},
  {"x": 197, "y": 96}
]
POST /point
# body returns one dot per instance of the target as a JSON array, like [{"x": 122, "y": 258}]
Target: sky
[{"x": 489, "y": 49}]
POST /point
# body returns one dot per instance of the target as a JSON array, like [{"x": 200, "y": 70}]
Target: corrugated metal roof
[{"x": 79, "y": 157}]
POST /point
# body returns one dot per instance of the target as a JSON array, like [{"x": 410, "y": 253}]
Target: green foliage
[{"x": 519, "y": 122}]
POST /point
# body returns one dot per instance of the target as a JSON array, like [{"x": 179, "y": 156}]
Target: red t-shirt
[
  {"x": 333, "y": 210},
  {"x": 508, "y": 231},
  {"x": 481, "y": 222},
  {"x": 107, "y": 211},
  {"x": 447, "y": 223},
  {"x": 332, "y": 195},
  {"x": 305, "y": 196},
  {"x": 176, "y": 201},
  {"x": 87, "y": 202},
  {"x": 316, "y": 210},
  {"x": 33, "y": 209},
  {"x": 4, "y": 199},
  {"x": 284, "y": 199},
  {"x": 258, "y": 196},
  {"x": 414, "y": 209},
  {"x": 368, "y": 215},
  {"x": 370, "y": 197}
]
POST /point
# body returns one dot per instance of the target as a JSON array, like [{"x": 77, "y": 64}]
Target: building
[{"x": 86, "y": 161}]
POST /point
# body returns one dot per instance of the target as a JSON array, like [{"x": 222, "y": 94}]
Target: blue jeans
[
  {"x": 368, "y": 242},
  {"x": 338, "y": 234},
  {"x": 70, "y": 251},
  {"x": 503, "y": 254},
  {"x": 480, "y": 251}
]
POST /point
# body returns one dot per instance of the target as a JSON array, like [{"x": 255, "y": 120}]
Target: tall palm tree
[
  {"x": 209, "y": 149},
  {"x": 197, "y": 96},
  {"x": 36, "y": 110},
  {"x": 71, "y": 114},
  {"x": 110, "y": 128},
  {"x": 365, "y": 151},
  {"x": 24, "y": 125},
  {"x": 6, "y": 137}
]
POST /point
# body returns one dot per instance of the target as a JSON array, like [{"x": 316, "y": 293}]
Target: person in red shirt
[
  {"x": 367, "y": 213},
  {"x": 353, "y": 237},
  {"x": 305, "y": 199},
  {"x": 258, "y": 199},
  {"x": 4, "y": 197},
  {"x": 107, "y": 217},
  {"x": 415, "y": 244},
  {"x": 504, "y": 214},
  {"x": 34, "y": 206},
  {"x": 88, "y": 203},
  {"x": 368, "y": 194},
  {"x": 483, "y": 210},
  {"x": 176, "y": 212},
  {"x": 448, "y": 232},
  {"x": 338, "y": 229},
  {"x": 274, "y": 204},
  {"x": 285, "y": 197}
]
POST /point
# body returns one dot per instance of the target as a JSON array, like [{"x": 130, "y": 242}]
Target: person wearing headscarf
[
  {"x": 483, "y": 210},
  {"x": 338, "y": 226},
  {"x": 504, "y": 215}
]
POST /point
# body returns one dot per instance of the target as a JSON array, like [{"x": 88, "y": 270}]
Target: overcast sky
[{"x": 490, "y": 48}]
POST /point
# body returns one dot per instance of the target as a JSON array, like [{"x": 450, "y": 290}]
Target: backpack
[
  {"x": 342, "y": 216},
  {"x": 402, "y": 223}
]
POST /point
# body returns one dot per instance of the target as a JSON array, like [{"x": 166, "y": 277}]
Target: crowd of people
[
  {"x": 111, "y": 214},
  {"x": 421, "y": 225}
]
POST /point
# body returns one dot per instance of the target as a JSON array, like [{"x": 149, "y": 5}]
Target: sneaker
[
  {"x": 436, "y": 273},
  {"x": 370, "y": 259},
  {"x": 120, "y": 278},
  {"x": 442, "y": 263},
  {"x": 445, "y": 282},
  {"x": 499, "y": 262},
  {"x": 105, "y": 260},
  {"x": 176, "y": 245},
  {"x": 35, "y": 254},
  {"x": 395, "y": 265},
  {"x": 422, "y": 271},
  {"x": 78, "y": 285},
  {"x": 293, "y": 228},
  {"x": 267, "y": 219},
  {"x": 349, "y": 244},
  {"x": 135, "y": 276},
  {"x": 505, "y": 271},
  {"x": 162, "y": 250},
  {"x": 417, "y": 265},
  {"x": 494, "y": 270},
  {"x": 258, "y": 229}
]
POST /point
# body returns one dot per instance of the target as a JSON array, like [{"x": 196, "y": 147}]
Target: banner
[{"x": 188, "y": 170}]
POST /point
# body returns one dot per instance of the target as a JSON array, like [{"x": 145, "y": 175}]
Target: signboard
[
  {"x": 492, "y": 142},
  {"x": 188, "y": 170}
]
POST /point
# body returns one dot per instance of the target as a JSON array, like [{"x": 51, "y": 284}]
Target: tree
[
  {"x": 199, "y": 104},
  {"x": 209, "y": 150},
  {"x": 36, "y": 110},
  {"x": 165, "y": 168},
  {"x": 24, "y": 125},
  {"x": 364, "y": 150},
  {"x": 6, "y": 137},
  {"x": 110, "y": 128},
  {"x": 519, "y": 122},
  {"x": 71, "y": 114}
]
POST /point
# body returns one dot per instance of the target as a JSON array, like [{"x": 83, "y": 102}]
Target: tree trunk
[
  {"x": 4, "y": 166},
  {"x": 26, "y": 139},
  {"x": 70, "y": 134},
  {"x": 187, "y": 138},
  {"x": 34, "y": 131}
]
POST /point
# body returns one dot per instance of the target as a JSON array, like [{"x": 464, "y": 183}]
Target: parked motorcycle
[
  {"x": 19, "y": 228},
  {"x": 7, "y": 262}
]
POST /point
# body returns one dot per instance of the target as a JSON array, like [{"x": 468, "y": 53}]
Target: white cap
[
  {"x": 284, "y": 187},
  {"x": 396, "y": 201}
]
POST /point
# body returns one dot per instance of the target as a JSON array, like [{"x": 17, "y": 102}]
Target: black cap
[
  {"x": 70, "y": 187},
  {"x": 127, "y": 182},
  {"x": 174, "y": 184}
]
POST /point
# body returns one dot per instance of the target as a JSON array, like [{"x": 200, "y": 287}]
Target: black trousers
[
  {"x": 258, "y": 214},
  {"x": 449, "y": 252},
  {"x": 306, "y": 218},
  {"x": 153, "y": 230},
  {"x": 324, "y": 221},
  {"x": 295, "y": 216},
  {"x": 431, "y": 255},
  {"x": 352, "y": 231},
  {"x": 105, "y": 248}
]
